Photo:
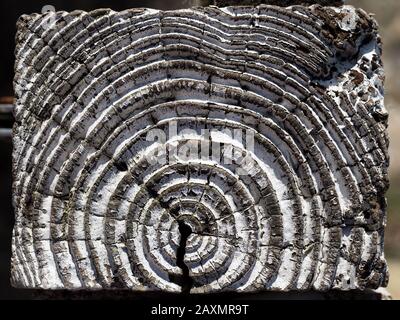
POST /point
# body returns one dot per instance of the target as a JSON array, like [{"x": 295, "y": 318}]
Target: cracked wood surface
[{"x": 93, "y": 212}]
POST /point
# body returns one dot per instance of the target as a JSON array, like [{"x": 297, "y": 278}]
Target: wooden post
[{"x": 237, "y": 149}]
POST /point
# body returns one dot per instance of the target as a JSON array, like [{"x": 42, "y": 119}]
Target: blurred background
[{"x": 387, "y": 12}]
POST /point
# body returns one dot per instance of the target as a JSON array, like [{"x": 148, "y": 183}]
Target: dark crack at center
[{"x": 184, "y": 280}]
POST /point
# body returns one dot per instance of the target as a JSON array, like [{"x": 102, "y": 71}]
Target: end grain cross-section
[{"x": 93, "y": 208}]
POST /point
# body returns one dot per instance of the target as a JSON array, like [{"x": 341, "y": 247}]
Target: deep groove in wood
[{"x": 94, "y": 212}]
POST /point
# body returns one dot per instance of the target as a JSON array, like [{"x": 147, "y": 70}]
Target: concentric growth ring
[{"x": 199, "y": 150}]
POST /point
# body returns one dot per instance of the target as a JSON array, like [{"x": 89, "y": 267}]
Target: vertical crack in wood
[{"x": 184, "y": 280}]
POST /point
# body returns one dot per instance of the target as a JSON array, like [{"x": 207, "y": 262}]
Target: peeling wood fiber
[
  {"x": 93, "y": 212},
  {"x": 281, "y": 3}
]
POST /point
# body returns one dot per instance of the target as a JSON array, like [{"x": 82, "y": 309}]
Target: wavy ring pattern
[{"x": 93, "y": 211}]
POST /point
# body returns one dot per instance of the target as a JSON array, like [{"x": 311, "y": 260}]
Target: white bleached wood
[{"x": 93, "y": 212}]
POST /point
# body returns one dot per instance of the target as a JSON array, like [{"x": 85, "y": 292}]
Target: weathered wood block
[{"x": 201, "y": 150}]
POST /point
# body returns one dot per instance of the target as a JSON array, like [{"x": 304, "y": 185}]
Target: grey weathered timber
[
  {"x": 281, "y": 3},
  {"x": 303, "y": 209}
]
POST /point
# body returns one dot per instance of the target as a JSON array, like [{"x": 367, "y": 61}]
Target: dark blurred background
[{"x": 387, "y": 12}]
